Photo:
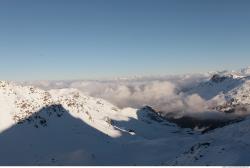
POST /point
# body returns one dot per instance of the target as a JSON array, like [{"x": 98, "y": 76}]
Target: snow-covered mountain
[
  {"x": 233, "y": 86},
  {"x": 67, "y": 127},
  {"x": 64, "y": 127}
]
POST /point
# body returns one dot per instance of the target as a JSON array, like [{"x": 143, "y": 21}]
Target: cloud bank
[
  {"x": 171, "y": 96},
  {"x": 168, "y": 95}
]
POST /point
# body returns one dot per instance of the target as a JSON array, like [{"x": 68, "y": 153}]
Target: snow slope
[{"x": 229, "y": 145}]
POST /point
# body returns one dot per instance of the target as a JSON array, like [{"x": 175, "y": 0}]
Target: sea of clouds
[{"x": 168, "y": 94}]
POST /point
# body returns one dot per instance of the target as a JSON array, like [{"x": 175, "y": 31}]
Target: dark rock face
[
  {"x": 217, "y": 78},
  {"x": 204, "y": 124},
  {"x": 192, "y": 122}
]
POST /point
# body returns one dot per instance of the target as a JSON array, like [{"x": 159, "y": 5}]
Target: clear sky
[{"x": 78, "y": 39}]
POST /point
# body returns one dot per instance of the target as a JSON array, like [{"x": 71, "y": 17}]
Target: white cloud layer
[{"x": 165, "y": 94}]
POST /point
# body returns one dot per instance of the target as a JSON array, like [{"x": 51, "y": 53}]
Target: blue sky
[{"x": 84, "y": 39}]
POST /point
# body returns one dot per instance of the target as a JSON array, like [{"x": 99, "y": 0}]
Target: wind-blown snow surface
[{"x": 68, "y": 127}]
